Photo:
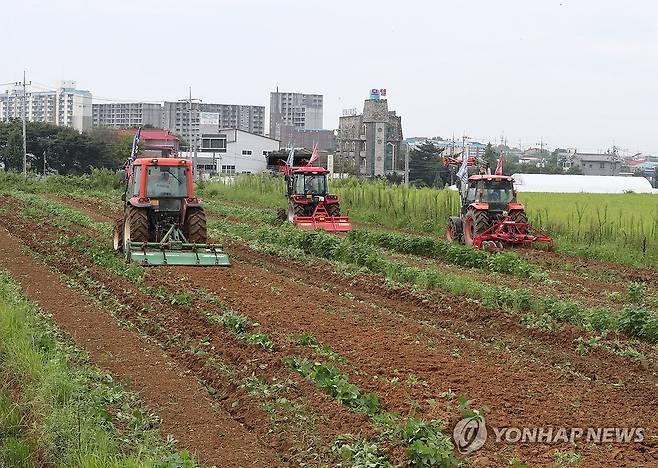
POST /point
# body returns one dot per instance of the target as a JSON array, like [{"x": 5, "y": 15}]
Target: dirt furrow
[
  {"x": 186, "y": 410},
  {"x": 408, "y": 363},
  {"x": 172, "y": 325},
  {"x": 384, "y": 346}
]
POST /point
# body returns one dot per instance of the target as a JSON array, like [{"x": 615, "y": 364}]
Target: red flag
[
  {"x": 499, "y": 166},
  {"x": 315, "y": 155}
]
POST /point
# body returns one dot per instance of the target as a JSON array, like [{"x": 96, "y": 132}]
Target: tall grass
[
  {"x": 625, "y": 221},
  {"x": 98, "y": 180}
]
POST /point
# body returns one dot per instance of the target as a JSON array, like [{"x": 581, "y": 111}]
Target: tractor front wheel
[
  {"x": 475, "y": 223},
  {"x": 333, "y": 209},
  {"x": 195, "y": 228},
  {"x": 117, "y": 241},
  {"x": 519, "y": 216},
  {"x": 454, "y": 229},
  {"x": 135, "y": 226}
]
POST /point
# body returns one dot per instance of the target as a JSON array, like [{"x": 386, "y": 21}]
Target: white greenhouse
[{"x": 559, "y": 183}]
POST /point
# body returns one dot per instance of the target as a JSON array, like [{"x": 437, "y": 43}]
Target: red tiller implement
[
  {"x": 320, "y": 219},
  {"x": 508, "y": 231},
  {"x": 310, "y": 206}
]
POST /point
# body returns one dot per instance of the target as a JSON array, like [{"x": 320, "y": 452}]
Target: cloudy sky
[{"x": 579, "y": 73}]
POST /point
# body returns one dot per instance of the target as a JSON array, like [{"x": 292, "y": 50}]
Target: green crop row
[
  {"x": 425, "y": 246},
  {"x": 332, "y": 381},
  {"x": 239, "y": 325},
  {"x": 312, "y": 342},
  {"x": 432, "y": 247},
  {"x": 426, "y": 443},
  {"x": 344, "y": 250}
]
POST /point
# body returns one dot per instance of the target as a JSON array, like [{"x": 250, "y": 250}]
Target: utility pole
[
  {"x": 189, "y": 134},
  {"x": 44, "y": 163},
  {"x": 406, "y": 167},
  {"x": 191, "y": 140},
  {"x": 24, "y": 130}
]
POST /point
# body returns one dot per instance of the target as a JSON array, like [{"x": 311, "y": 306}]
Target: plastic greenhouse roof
[{"x": 559, "y": 183}]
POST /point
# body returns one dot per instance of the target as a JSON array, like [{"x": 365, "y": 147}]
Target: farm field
[
  {"x": 617, "y": 227},
  {"x": 357, "y": 350}
]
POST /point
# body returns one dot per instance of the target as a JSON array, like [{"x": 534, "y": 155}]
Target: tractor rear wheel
[
  {"x": 475, "y": 223},
  {"x": 519, "y": 216},
  {"x": 333, "y": 209},
  {"x": 195, "y": 228},
  {"x": 294, "y": 209},
  {"x": 135, "y": 226}
]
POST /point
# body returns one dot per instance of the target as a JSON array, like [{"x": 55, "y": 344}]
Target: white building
[
  {"x": 65, "y": 106},
  {"x": 232, "y": 151}
]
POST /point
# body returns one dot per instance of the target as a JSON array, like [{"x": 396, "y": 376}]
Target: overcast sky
[{"x": 577, "y": 73}]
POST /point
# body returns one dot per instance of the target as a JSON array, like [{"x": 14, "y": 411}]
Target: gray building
[
  {"x": 176, "y": 117},
  {"x": 298, "y": 110},
  {"x": 127, "y": 115},
  {"x": 601, "y": 164},
  {"x": 371, "y": 141},
  {"x": 302, "y": 138}
]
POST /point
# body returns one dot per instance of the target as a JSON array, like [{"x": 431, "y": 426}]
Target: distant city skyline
[{"x": 577, "y": 73}]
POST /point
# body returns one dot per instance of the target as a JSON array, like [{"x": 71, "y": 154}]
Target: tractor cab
[
  {"x": 310, "y": 206},
  {"x": 308, "y": 181},
  {"x": 496, "y": 191}
]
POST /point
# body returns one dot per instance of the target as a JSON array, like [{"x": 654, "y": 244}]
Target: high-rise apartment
[
  {"x": 65, "y": 106},
  {"x": 298, "y": 110},
  {"x": 127, "y": 115},
  {"x": 179, "y": 115}
]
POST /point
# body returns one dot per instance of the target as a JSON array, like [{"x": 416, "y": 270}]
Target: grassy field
[
  {"x": 56, "y": 409},
  {"x": 616, "y": 227}
]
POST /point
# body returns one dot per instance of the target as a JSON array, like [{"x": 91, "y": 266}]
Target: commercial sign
[
  {"x": 377, "y": 93},
  {"x": 209, "y": 118}
]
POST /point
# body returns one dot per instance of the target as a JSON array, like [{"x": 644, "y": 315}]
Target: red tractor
[
  {"x": 310, "y": 206},
  {"x": 490, "y": 216},
  {"x": 163, "y": 222}
]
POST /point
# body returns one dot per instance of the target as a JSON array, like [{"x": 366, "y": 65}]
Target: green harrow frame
[{"x": 174, "y": 249}]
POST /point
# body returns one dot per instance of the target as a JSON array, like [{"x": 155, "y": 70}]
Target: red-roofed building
[{"x": 157, "y": 143}]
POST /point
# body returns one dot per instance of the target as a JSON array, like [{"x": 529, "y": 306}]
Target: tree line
[
  {"x": 426, "y": 167},
  {"x": 66, "y": 150}
]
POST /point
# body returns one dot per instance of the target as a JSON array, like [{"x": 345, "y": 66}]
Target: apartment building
[
  {"x": 298, "y": 110},
  {"x": 127, "y": 115},
  {"x": 65, "y": 106},
  {"x": 184, "y": 119}
]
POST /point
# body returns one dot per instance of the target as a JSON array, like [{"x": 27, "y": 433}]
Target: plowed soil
[{"x": 406, "y": 346}]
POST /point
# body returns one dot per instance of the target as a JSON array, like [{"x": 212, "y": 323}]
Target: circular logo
[{"x": 470, "y": 434}]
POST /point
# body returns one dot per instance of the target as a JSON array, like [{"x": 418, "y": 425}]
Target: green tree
[
  {"x": 491, "y": 157},
  {"x": 426, "y": 167},
  {"x": 14, "y": 150}
]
